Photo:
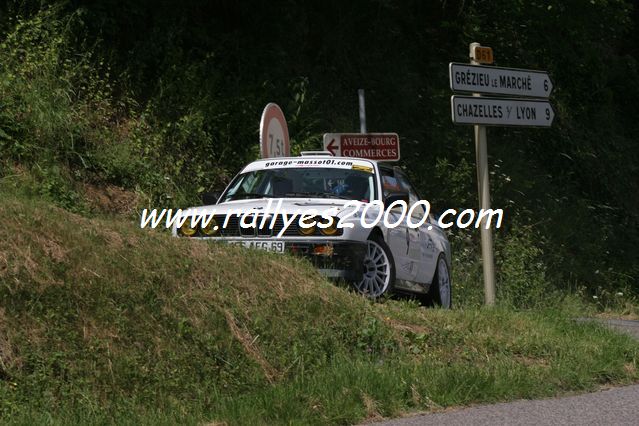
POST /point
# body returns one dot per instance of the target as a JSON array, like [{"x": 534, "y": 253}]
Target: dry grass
[
  {"x": 249, "y": 343},
  {"x": 51, "y": 247},
  {"x": 8, "y": 357},
  {"x": 111, "y": 199},
  {"x": 97, "y": 312},
  {"x": 371, "y": 408}
]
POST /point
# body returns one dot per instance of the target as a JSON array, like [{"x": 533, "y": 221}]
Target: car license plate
[{"x": 274, "y": 246}]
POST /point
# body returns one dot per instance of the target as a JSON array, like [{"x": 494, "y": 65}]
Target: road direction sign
[
  {"x": 499, "y": 81},
  {"x": 274, "y": 133},
  {"x": 374, "y": 146},
  {"x": 501, "y": 112}
]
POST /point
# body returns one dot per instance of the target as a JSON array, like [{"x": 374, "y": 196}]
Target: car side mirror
[
  {"x": 209, "y": 198},
  {"x": 396, "y": 196}
]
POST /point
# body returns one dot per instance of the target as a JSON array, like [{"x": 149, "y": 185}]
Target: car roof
[
  {"x": 316, "y": 159},
  {"x": 318, "y": 154}
]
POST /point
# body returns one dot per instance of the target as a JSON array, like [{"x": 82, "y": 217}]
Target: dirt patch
[
  {"x": 111, "y": 199},
  {"x": 113, "y": 239},
  {"x": 404, "y": 327},
  {"x": 51, "y": 248}
]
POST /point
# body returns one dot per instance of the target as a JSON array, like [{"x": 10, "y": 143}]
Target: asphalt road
[
  {"x": 625, "y": 326},
  {"x": 618, "y": 406}
]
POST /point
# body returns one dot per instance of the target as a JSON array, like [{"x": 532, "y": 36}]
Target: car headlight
[
  {"x": 211, "y": 229},
  {"x": 331, "y": 229},
  {"x": 308, "y": 230},
  {"x": 187, "y": 230}
]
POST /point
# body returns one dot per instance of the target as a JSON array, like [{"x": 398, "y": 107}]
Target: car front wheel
[{"x": 378, "y": 269}]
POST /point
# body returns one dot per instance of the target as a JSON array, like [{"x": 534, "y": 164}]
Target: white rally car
[{"x": 344, "y": 214}]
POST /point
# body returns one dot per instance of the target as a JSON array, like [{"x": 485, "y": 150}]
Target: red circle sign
[{"x": 274, "y": 133}]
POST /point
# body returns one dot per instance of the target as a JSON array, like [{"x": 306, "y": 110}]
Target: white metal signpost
[
  {"x": 482, "y": 111},
  {"x": 274, "y": 133}
]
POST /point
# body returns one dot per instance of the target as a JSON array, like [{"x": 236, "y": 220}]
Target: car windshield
[{"x": 301, "y": 182}]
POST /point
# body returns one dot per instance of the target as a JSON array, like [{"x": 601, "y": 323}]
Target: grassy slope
[{"x": 101, "y": 322}]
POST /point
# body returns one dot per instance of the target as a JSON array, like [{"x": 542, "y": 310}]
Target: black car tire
[{"x": 440, "y": 291}]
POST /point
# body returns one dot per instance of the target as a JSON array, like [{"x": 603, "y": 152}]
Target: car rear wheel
[
  {"x": 439, "y": 293},
  {"x": 378, "y": 269}
]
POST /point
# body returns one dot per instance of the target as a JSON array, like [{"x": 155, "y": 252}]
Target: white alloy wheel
[{"x": 378, "y": 273}]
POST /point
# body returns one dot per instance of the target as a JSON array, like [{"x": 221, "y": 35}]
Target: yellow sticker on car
[{"x": 362, "y": 168}]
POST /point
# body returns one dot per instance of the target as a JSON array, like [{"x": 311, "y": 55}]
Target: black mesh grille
[
  {"x": 232, "y": 228},
  {"x": 292, "y": 229}
]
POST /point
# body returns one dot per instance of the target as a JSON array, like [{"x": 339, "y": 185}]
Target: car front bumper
[{"x": 334, "y": 259}]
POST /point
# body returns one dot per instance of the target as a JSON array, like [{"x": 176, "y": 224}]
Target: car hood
[{"x": 275, "y": 205}]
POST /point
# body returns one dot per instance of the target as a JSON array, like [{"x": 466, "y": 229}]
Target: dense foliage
[{"x": 164, "y": 98}]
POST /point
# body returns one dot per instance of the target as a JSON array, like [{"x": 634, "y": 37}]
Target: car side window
[
  {"x": 412, "y": 194},
  {"x": 389, "y": 183}
]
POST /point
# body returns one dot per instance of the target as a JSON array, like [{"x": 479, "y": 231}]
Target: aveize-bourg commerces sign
[{"x": 374, "y": 146}]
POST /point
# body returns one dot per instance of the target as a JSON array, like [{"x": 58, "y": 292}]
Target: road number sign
[
  {"x": 483, "y": 54},
  {"x": 500, "y": 81},
  {"x": 274, "y": 140},
  {"x": 501, "y": 112},
  {"x": 374, "y": 146}
]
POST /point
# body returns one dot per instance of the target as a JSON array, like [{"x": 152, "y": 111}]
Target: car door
[
  {"x": 397, "y": 237},
  {"x": 421, "y": 247}
]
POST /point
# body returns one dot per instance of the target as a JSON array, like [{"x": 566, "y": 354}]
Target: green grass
[{"x": 101, "y": 322}]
